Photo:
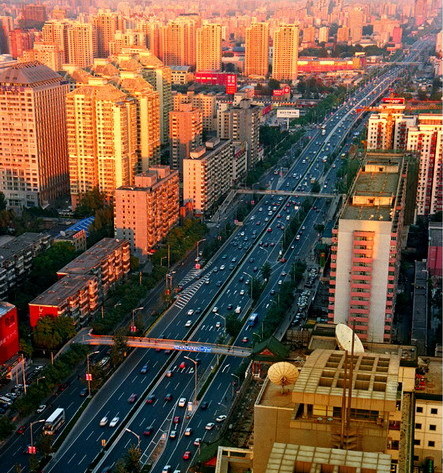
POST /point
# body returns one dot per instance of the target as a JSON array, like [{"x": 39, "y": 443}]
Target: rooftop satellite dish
[
  {"x": 343, "y": 335},
  {"x": 282, "y": 374}
]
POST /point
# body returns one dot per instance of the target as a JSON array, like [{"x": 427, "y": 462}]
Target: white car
[
  {"x": 188, "y": 432},
  {"x": 190, "y": 311},
  {"x": 215, "y": 309},
  {"x": 182, "y": 402},
  {"x": 114, "y": 421},
  {"x": 188, "y": 323},
  {"x": 217, "y": 324},
  {"x": 41, "y": 408},
  {"x": 197, "y": 441},
  {"x": 242, "y": 292},
  {"x": 209, "y": 426},
  {"x": 222, "y": 267},
  {"x": 221, "y": 418},
  {"x": 103, "y": 421}
]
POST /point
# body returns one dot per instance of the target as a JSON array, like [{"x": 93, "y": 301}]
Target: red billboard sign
[{"x": 393, "y": 100}]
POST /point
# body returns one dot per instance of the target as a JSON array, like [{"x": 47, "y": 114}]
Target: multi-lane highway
[{"x": 221, "y": 288}]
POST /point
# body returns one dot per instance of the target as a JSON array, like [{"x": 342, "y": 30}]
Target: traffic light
[
  {"x": 88, "y": 377},
  {"x": 133, "y": 328},
  {"x": 32, "y": 450}
]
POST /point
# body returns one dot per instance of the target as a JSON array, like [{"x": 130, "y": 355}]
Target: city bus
[
  {"x": 54, "y": 421},
  {"x": 252, "y": 320}
]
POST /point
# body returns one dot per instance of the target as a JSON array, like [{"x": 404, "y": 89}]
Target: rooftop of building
[
  {"x": 375, "y": 189},
  {"x": 375, "y": 376},
  {"x": 62, "y": 290},
  {"x": 5, "y": 307},
  {"x": 18, "y": 244},
  {"x": 289, "y": 458},
  {"x": 107, "y": 92},
  {"x": 180, "y": 68},
  {"x": 435, "y": 233},
  {"x": 136, "y": 85},
  {"x": 433, "y": 370},
  {"x": 92, "y": 257},
  {"x": 25, "y": 73}
]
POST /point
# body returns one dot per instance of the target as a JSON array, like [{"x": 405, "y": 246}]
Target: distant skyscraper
[
  {"x": 343, "y": 34},
  {"x": 355, "y": 23},
  {"x": 33, "y": 15},
  {"x": 20, "y": 41},
  {"x": 178, "y": 46},
  {"x": 33, "y": 148},
  {"x": 185, "y": 133},
  {"x": 77, "y": 40},
  {"x": 284, "y": 62},
  {"x": 420, "y": 12},
  {"x": 6, "y": 25},
  {"x": 323, "y": 34},
  {"x": 102, "y": 138},
  {"x": 257, "y": 49},
  {"x": 106, "y": 24},
  {"x": 81, "y": 44},
  {"x": 208, "y": 47}
]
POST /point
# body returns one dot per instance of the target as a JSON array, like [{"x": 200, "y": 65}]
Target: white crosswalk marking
[{"x": 186, "y": 295}]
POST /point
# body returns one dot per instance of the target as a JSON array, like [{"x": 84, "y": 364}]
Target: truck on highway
[{"x": 252, "y": 319}]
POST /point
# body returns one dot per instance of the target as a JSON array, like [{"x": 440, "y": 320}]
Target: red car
[
  {"x": 21, "y": 429},
  {"x": 151, "y": 399},
  {"x": 176, "y": 420},
  {"x": 187, "y": 455},
  {"x": 182, "y": 365}
]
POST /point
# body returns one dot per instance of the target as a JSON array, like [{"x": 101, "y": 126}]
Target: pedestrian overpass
[
  {"x": 286, "y": 193},
  {"x": 165, "y": 344}
]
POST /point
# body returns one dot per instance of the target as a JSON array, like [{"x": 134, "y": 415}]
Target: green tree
[
  {"x": 132, "y": 459},
  {"x": 44, "y": 444},
  {"x": 25, "y": 348},
  {"x": 120, "y": 467},
  {"x": 256, "y": 288},
  {"x": 266, "y": 271},
  {"x": 6, "y": 427},
  {"x": 233, "y": 325},
  {"x": 90, "y": 202},
  {"x": 120, "y": 348},
  {"x": 315, "y": 188},
  {"x": 2, "y": 201},
  {"x": 51, "y": 332},
  {"x": 46, "y": 265}
]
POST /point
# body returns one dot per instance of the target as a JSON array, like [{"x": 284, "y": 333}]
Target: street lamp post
[
  {"x": 136, "y": 436},
  {"x": 41, "y": 377},
  {"x": 88, "y": 374},
  {"x": 234, "y": 383},
  {"x": 195, "y": 378},
  {"x": 224, "y": 320},
  {"x": 30, "y": 431},
  {"x": 133, "y": 327}
]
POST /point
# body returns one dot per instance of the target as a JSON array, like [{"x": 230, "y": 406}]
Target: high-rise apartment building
[
  {"x": 284, "y": 61},
  {"x": 208, "y": 47},
  {"x": 366, "y": 247},
  {"x": 76, "y": 39},
  {"x": 81, "y": 44},
  {"x": 6, "y": 25},
  {"x": 185, "y": 133},
  {"x": 20, "y": 41},
  {"x": 257, "y": 50},
  {"x": 151, "y": 29},
  {"x": 204, "y": 102},
  {"x": 389, "y": 130},
  {"x": 148, "y": 118},
  {"x": 356, "y": 22},
  {"x": 323, "y": 34},
  {"x": 343, "y": 34},
  {"x": 126, "y": 39},
  {"x": 241, "y": 123},
  {"x": 33, "y": 147},
  {"x": 106, "y": 24},
  {"x": 207, "y": 174},
  {"x": 102, "y": 138},
  {"x": 426, "y": 139},
  {"x": 178, "y": 42},
  {"x": 48, "y": 54},
  {"x": 33, "y": 15},
  {"x": 145, "y": 212}
]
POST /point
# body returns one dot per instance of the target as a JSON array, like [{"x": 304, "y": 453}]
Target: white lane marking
[
  {"x": 81, "y": 461},
  {"x": 70, "y": 460},
  {"x": 89, "y": 436},
  {"x": 121, "y": 395}
]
